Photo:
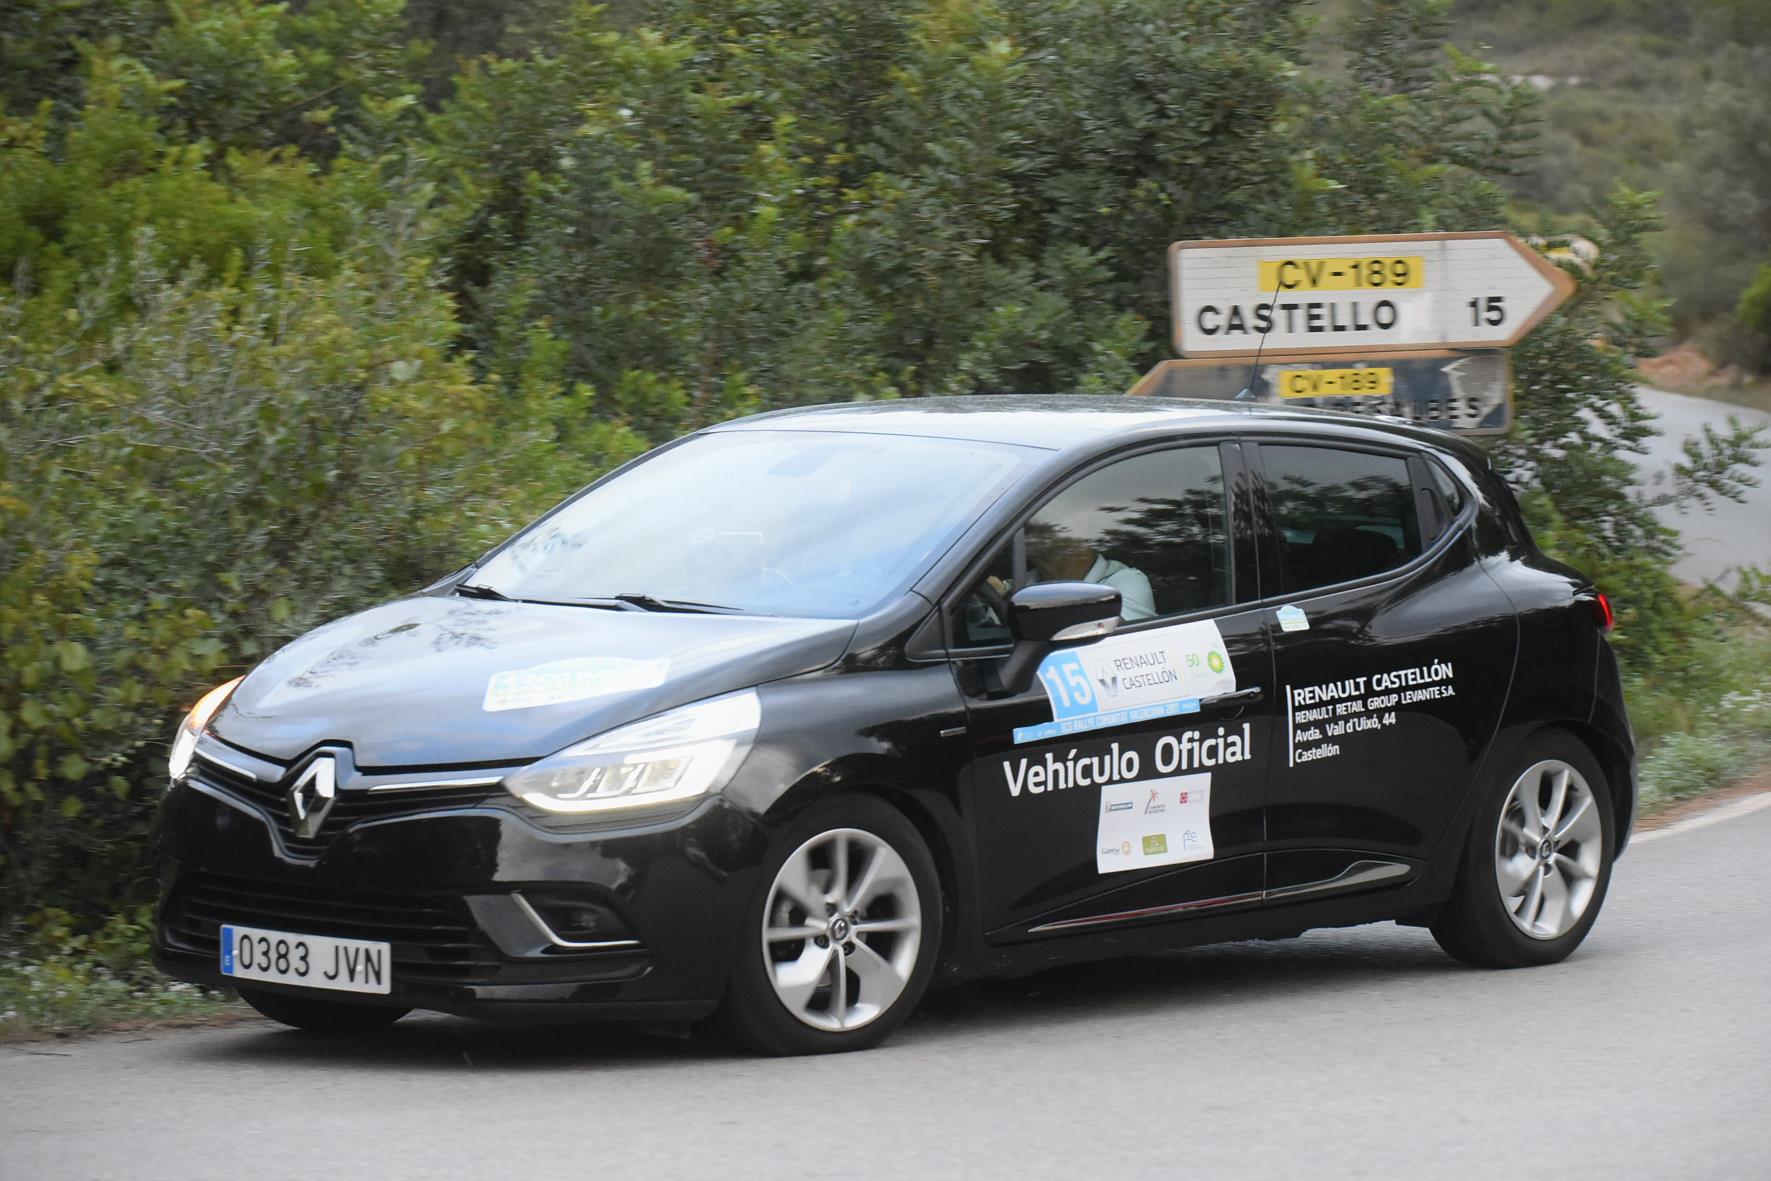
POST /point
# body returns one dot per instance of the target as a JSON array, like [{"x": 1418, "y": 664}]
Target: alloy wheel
[
  {"x": 1548, "y": 849},
  {"x": 841, "y": 929}
]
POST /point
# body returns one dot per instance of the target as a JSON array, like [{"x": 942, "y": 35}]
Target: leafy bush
[
  {"x": 240, "y": 422},
  {"x": 1749, "y": 343},
  {"x": 65, "y": 977}
]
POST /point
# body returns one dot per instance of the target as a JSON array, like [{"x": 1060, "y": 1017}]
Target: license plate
[{"x": 312, "y": 961}]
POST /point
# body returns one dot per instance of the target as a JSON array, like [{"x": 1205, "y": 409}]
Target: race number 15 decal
[{"x": 1126, "y": 679}]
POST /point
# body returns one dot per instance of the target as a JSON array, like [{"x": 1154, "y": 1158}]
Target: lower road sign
[{"x": 1468, "y": 392}]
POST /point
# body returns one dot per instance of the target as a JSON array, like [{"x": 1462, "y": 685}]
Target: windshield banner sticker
[
  {"x": 562, "y": 681},
  {"x": 1154, "y": 822},
  {"x": 1121, "y": 680}
]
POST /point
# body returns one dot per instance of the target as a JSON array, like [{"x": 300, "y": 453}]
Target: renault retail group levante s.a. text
[{"x": 794, "y": 716}]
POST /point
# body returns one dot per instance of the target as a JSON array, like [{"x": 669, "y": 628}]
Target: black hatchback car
[{"x": 796, "y": 715}]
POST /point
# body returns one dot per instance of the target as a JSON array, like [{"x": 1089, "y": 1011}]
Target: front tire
[
  {"x": 1537, "y": 861},
  {"x": 321, "y": 1016},
  {"x": 838, "y": 944}
]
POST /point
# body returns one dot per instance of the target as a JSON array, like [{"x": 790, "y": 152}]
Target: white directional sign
[{"x": 1360, "y": 294}]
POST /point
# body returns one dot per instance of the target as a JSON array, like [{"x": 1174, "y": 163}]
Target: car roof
[{"x": 1074, "y": 422}]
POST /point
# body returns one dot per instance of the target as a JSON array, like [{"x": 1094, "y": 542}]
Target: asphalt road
[
  {"x": 1342, "y": 1054},
  {"x": 1728, "y": 534}
]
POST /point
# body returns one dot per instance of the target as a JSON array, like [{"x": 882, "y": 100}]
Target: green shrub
[
  {"x": 232, "y": 407},
  {"x": 1749, "y": 340},
  {"x": 66, "y": 977}
]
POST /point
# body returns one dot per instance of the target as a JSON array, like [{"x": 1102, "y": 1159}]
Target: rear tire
[
  {"x": 1537, "y": 861},
  {"x": 321, "y": 1016},
  {"x": 838, "y": 944}
]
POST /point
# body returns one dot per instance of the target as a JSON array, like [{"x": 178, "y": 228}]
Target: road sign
[
  {"x": 1466, "y": 392},
  {"x": 1360, "y": 294}
]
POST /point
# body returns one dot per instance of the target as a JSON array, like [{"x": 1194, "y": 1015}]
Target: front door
[{"x": 1125, "y": 784}]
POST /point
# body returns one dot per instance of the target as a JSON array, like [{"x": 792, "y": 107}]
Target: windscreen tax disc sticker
[
  {"x": 562, "y": 681},
  {"x": 1122, "y": 680}
]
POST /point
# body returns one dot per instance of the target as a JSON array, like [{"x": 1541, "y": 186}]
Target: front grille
[
  {"x": 431, "y": 938},
  {"x": 352, "y": 807}
]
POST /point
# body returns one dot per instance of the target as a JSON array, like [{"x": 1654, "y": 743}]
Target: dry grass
[{"x": 1685, "y": 370}]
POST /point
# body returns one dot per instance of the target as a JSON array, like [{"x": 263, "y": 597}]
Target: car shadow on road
[{"x": 1196, "y": 981}]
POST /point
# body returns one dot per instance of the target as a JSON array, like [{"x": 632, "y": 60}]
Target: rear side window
[{"x": 1340, "y": 515}]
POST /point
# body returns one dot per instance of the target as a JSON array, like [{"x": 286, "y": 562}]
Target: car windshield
[{"x": 765, "y": 522}]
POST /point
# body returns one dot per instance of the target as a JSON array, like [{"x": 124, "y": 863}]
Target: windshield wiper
[
  {"x": 654, "y": 603},
  {"x": 469, "y": 590},
  {"x": 630, "y": 601}
]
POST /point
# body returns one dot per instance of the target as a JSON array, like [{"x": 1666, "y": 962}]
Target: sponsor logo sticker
[{"x": 1177, "y": 806}]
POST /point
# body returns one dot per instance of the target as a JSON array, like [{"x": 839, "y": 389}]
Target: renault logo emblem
[{"x": 312, "y": 796}]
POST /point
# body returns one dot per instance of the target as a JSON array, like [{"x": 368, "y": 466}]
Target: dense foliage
[{"x": 302, "y": 305}]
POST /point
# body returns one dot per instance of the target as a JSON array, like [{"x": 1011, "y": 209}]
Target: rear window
[{"x": 1341, "y": 515}]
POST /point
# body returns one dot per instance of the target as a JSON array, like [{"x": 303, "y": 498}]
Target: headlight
[
  {"x": 676, "y": 755},
  {"x": 184, "y": 746}
]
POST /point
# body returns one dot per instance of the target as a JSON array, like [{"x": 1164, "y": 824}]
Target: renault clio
[{"x": 796, "y": 715}]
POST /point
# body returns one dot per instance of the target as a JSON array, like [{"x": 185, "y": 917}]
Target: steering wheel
[{"x": 993, "y": 599}]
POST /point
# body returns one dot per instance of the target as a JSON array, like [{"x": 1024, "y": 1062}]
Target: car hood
[{"x": 440, "y": 680}]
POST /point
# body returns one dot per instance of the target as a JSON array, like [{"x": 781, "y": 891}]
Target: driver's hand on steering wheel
[{"x": 1000, "y": 586}]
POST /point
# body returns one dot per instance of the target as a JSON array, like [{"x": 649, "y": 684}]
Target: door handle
[{"x": 1224, "y": 702}]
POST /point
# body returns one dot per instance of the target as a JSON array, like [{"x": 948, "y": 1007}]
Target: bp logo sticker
[{"x": 1214, "y": 660}]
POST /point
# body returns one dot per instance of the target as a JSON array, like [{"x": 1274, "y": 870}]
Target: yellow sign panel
[
  {"x": 1330, "y": 383},
  {"x": 1389, "y": 273}
]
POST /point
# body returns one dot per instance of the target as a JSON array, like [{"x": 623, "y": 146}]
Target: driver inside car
[{"x": 1054, "y": 555}]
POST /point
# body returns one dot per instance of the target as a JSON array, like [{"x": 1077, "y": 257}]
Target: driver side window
[{"x": 1153, "y": 526}]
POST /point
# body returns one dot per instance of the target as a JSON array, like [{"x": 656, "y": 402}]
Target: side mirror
[{"x": 1053, "y": 615}]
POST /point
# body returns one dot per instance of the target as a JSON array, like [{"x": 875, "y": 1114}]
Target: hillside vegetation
[{"x": 1672, "y": 97}]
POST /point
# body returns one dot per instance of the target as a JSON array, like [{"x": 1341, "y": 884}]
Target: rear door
[
  {"x": 1106, "y": 793},
  {"x": 1392, "y": 650}
]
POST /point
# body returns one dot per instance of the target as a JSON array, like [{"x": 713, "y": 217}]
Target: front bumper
[{"x": 456, "y": 888}]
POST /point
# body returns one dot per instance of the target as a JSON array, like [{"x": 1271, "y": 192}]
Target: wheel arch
[
  {"x": 931, "y": 813},
  {"x": 941, "y": 850},
  {"x": 1506, "y": 749},
  {"x": 1619, "y": 770}
]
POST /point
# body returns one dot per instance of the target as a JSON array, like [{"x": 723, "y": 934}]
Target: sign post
[
  {"x": 1313, "y": 296},
  {"x": 1408, "y": 325}
]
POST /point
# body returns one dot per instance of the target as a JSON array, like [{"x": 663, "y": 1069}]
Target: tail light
[{"x": 1600, "y": 606}]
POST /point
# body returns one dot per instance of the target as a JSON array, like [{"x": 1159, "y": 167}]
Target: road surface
[
  {"x": 1361, "y": 1053},
  {"x": 1730, "y": 534}
]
